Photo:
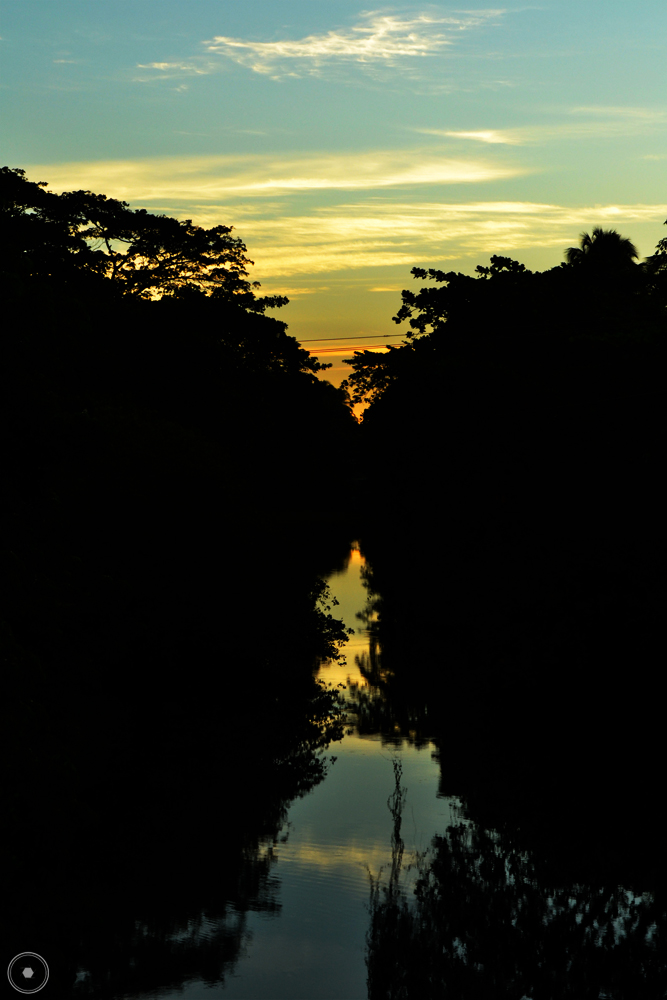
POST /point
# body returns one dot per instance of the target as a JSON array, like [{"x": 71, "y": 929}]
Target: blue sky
[{"x": 347, "y": 144}]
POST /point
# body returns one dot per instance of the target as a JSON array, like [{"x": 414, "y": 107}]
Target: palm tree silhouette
[{"x": 603, "y": 248}]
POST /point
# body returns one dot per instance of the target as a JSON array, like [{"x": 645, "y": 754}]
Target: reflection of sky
[
  {"x": 348, "y": 589},
  {"x": 336, "y": 835}
]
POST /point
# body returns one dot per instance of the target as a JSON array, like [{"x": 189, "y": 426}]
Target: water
[
  {"x": 526, "y": 888},
  {"x": 334, "y": 839}
]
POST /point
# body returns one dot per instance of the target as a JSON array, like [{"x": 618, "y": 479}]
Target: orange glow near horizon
[
  {"x": 339, "y": 372},
  {"x": 356, "y": 558},
  {"x": 347, "y": 350}
]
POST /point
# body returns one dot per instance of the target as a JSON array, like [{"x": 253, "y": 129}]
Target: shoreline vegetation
[
  {"x": 159, "y": 629},
  {"x": 518, "y": 621},
  {"x": 177, "y": 480}
]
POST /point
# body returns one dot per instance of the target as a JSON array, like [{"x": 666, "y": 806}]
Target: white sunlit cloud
[{"x": 377, "y": 38}]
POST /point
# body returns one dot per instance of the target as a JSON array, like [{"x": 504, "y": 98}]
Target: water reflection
[
  {"x": 291, "y": 869},
  {"x": 481, "y": 923},
  {"x": 348, "y": 585},
  {"x": 336, "y": 839},
  {"x": 152, "y": 831},
  {"x": 266, "y": 894},
  {"x": 550, "y": 881}
]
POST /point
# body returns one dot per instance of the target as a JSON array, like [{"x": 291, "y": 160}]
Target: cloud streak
[
  {"x": 208, "y": 178},
  {"x": 289, "y": 237},
  {"x": 377, "y": 38},
  {"x": 605, "y": 122},
  {"x": 175, "y": 70},
  {"x": 376, "y": 235}
]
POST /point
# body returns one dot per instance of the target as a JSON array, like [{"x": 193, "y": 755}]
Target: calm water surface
[
  {"x": 313, "y": 945},
  {"x": 514, "y": 902}
]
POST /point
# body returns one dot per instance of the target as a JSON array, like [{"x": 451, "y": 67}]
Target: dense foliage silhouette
[
  {"x": 524, "y": 395},
  {"x": 79, "y": 237},
  {"x": 162, "y": 441},
  {"x": 518, "y": 622},
  {"x": 537, "y": 676},
  {"x": 505, "y": 310}
]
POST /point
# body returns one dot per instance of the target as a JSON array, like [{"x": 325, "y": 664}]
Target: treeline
[
  {"x": 163, "y": 441},
  {"x": 522, "y": 431},
  {"x": 113, "y": 308},
  {"x": 533, "y": 658},
  {"x": 154, "y": 418},
  {"x": 516, "y": 575},
  {"x": 525, "y": 391}
]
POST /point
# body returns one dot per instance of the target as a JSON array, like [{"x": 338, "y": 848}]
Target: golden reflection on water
[
  {"x": 348, "y": 589},
  {"x": 349, "y": 858},
  {"x": 336, "y": 841}
]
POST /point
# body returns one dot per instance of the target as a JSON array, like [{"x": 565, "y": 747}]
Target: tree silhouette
[
  {"x": 85, "y": 248},
  {"x": 504, "y": 313},
  {"x": 655, "y": 269},
  {"x": 603, "y": 248},
  {"x": 79, "y": 234}
]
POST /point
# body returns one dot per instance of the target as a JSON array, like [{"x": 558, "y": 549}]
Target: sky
[{"x": 347, "y": 144}]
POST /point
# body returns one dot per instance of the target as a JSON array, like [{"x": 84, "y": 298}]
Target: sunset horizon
[{"x": 346, "y": 146}]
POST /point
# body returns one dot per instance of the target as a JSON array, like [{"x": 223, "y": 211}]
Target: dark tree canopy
[
  {"x": 82, "y": 245},
  {"x": 79, "y": 233},
  {"x": 598, "y": 293},
  {"x": 604, "y": 247}
]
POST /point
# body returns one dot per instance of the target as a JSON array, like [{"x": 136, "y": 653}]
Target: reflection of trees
[
  {"x": 397, "y": 720},
  {"x": 160, "y": 895},
  {"x": 146, "y": 823},
  {"x": 535, "y": 664},
  {"x": 178, "y": 943},
  {"x": 483, "y": 924}
]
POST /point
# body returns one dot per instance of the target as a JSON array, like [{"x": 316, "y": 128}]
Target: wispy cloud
[
  {"x": 603, "y": 122},
  {"x": 169, "y": 70},
  {"x": 621, "y": 112},
  {"x": 292, "y": 291},
  {"x": 377, "y": 38},
  {"x": 196, "y": 179},
  {"x": 492, "y": 136},
  {"x": 380, "y": 39},
  {"x": 289, "y": 238},
  {"x": 377, "y": 234}
]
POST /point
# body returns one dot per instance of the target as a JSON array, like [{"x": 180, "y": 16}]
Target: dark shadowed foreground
[
  {"x": 167, "y": 450},
  {"x": 544, "y": 702},
  {"x": 519, "y": 620},
  {"x": 159, "y": 706}
]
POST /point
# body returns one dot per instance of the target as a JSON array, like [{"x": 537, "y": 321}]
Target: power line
[
  {"x": 371, "y": 336},
  {"x": 340, "y": 350}
]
